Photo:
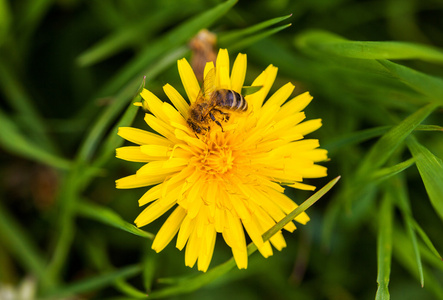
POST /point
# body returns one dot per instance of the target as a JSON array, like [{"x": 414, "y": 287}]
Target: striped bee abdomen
[{"x": 231, "y": 100}]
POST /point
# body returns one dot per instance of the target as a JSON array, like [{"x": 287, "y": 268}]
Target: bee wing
[{"x": 208, "y": 84}]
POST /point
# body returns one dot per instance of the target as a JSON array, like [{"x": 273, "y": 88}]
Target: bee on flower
[{"x": 221, "y": 161}]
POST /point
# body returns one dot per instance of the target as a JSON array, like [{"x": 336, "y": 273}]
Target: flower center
[{"x": 217, "y": 159}]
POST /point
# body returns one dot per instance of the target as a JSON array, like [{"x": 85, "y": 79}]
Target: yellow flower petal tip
[{"x": 220, "y": 161}]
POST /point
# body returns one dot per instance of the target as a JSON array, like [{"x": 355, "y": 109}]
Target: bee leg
[
  {"x": 225, "y": 115},
  {"x": 216, "y": 122},
  {"x": 219, "y": 124}
]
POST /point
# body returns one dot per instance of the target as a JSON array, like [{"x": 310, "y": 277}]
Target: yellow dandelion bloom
[{"x": 229, "y": 178}]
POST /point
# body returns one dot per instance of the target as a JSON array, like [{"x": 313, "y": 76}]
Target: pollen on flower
[{"x": 226, "y": 177}]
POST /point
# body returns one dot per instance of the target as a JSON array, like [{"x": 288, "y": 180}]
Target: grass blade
[
  {"x": 109, "y": 217},
  {"x": 404, "y": 256},
  {"x": 426, "y": 240},
  {"x": 19, "y": 99},
  {"x": 255, "y": 38},
  {"x": 5, "y": 20},
  {"x": 93, "y": 283},
  {"x": 172, "y": 40},
  {"x": 399, "y": 188},
  {"x": 383, "y": 174},
  {"x": 431, "y": 172},
  {"x": 132, "y": 34},
  {"x": 387, "y": 144},
  {"x": 12, "y": 140},
  {"x": 228, "y": 38},
  {"x": 14, "y": 237},
  {"x": 426, "y": 84},
  {"x": 384, "y": 247},
  {"x": 304, "y": 206},
  {"x": 336, "y": 45},
  {"x": 355, "y": 137}
]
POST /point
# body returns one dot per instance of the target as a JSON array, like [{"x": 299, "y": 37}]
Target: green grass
[{"x": 70, "y": 71}]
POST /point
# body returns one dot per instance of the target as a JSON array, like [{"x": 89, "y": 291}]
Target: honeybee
[{"x": 211, "y": 105}]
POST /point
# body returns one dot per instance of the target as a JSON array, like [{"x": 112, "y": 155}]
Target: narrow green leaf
[
  {"x": 227, "y": 38},
  {"x": 336, "y": 45},
  {"x": 405, "y": 257},
  {"x": 109, "y": 217},
  {"x": 384, "y": 248},
  {"x": 172, "y": 40},
  {"x": 64, "y": 236},
  {"x": 133, "y": 34},
  {"x": 5, "y": 20},
  {"x": 431, "y": 172},
  {"x": 426, "y": 84},
  {"x": 426, "y": 239},
  {"x": 13, "y": 141},
  {"x": 19, "y": 99},
  {"x": 249, "y": 90},
  {"x": 429, "y": 128},
  {"x": 389, "y": 142},
  {"x": 188, "y": 285},
  {"x": 355, "y": 137},
  {"x": 383, "y": 174},
  {"x": 22, "y": 247},
  {"x": 255, "y": 38},
  {"x": 93, "y": 283},
  {"x": 129, "y": 290},
  {"x": 402, "y": 197},
  {"x": 304, "y": 206},
  {"x": 150, "y": 264}
]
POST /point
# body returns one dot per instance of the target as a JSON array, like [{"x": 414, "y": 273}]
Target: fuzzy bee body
[
  {"x": 214, "y": 106},
  {"x": 230, "y": 100}
]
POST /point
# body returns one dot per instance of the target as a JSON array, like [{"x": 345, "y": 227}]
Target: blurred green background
[{"x": 69, "y": 70}]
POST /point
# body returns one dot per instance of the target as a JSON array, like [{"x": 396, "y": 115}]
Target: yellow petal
[
  {"x": 156, "y": 150},
  {"x": 161, "y": 127},
  {"x": 302, "y": 186},
  {"x": 280, "y": 96},
  {"x": 315, "y": 171},
  {"x": 157, "y": 208},
  {"x": 135, "y": 181},
  {"x": 177, "y": 99},
  {"x": 225, "y": 82},
  {"x": 142, "y": 137},
  {"x": 186, "y": 229},
  {"x": 191, "y": 254},
  {"x": 308, "y": 126},
  {"x": 295, "y": 105},
  {"x": 265, "y": 79},
  {"x": 208, "y": 67},
  {"x": 188, "y": 79},
  {"x": 286, "y": 204},
  {"x": 238, "y": 73},
  {"x": 278, "y": 241},
  {"x": 207, "y": 248},
  {"x": 152, "y": 194},
  {"x": 133, "y": 153},
  {"x": 168, "y": 229},
  {"x": 222, "y": 69},
  {"x": 240, "y": 257},
  {"x": 155, "y": 105}
]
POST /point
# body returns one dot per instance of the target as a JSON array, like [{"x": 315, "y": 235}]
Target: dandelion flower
[{"x": 226, "y": 180}]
